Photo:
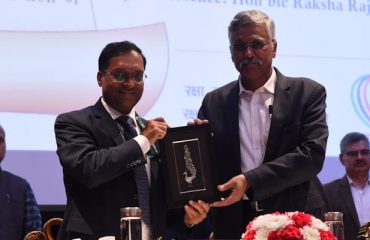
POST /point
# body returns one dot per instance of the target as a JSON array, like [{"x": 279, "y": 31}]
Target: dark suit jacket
[
  {"x": 12, "y": 206},
  {"x": 98, "y": 173},
  {"x": 295, "y": 151},
  {"x": 341, "y": 200}
]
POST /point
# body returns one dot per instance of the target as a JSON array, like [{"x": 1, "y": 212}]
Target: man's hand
[
  {"x": 156, "y": 129},
  {"x": 238, "y": 186},
  {"x": 197, "y": 122},
  {"x": 195, "y": 212}
]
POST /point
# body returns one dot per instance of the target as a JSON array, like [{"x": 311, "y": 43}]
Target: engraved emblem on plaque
[{"x": 190, "y": 171}]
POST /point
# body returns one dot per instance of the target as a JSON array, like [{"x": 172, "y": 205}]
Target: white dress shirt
[
  {"x": 361, "y": 199},
  {"x": 254, "y": 122}
]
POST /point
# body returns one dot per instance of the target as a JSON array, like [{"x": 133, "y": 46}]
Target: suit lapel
[
  {"x": 110, "y": 126},
  {"x": 232, "y": 121},
  {"x": 282, "y": 103},
  {"x": 346, "y": 194},
  {"x": 107, "y": 123}
]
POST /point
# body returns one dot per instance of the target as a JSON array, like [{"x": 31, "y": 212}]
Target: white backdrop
[{"x": 49, "y": 51}]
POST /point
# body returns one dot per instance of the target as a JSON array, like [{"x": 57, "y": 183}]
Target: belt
[{"x": 255, "y": 205}]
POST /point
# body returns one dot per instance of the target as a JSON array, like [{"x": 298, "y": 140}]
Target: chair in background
[
  {"x": 49, "y": 232},
  {"x": 35, "y": 235}
]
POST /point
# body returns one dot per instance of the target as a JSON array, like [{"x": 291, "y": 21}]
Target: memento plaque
[{"x": 188, "y": 167}]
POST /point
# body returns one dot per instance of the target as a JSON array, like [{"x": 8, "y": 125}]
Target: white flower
[
  {"x": 271, "y": 222},
  {"x": 262, "y": 234},
  {"x": 310, "y": 233},
  {"x": 267, "y": 223},
  {"x": 317, "y": 223}
]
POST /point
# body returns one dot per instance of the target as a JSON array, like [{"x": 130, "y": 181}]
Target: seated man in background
[
  {"x": 351, "y": 194},
  {"x": 19, "y": 213}
]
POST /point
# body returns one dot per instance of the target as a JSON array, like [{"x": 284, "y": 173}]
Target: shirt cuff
[
  {"x": 245, "y": 197},
  {"x": 143, "y": 143}
]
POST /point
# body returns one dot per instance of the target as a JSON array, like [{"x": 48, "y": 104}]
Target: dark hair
[
  {"x": 352, "y": 137},
  {"x": 115, "y": 49}
]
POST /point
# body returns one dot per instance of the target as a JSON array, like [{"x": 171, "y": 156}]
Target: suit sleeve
[{"x": 89, "y": 155}]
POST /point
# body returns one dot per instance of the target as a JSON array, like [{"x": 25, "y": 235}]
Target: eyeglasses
[
  {"x": 122, "y": 77},
  {"x": 256, "y": 45},
  {"x": 364, "y": 153}
]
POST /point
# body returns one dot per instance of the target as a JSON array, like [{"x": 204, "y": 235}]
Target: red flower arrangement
[{"x": 287, "y": 226}]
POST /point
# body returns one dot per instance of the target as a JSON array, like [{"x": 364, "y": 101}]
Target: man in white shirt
[
  {"x": 351, "y": 194},
  {"x": 269, "y": 132}
]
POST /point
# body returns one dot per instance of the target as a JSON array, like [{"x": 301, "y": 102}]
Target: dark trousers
[{"x": 249, "y": 213}]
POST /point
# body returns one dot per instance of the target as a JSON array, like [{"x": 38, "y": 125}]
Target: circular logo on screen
[{"x": 360, "y": 95}]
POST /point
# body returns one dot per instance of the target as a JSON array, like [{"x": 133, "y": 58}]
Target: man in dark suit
[
  {"x": 351, "y": 194},
  {"x": 101, "y": 157},
  {"x": 270, "y": 133}
]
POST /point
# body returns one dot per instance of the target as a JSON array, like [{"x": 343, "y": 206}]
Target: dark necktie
[{"x": 141, "y": 176}]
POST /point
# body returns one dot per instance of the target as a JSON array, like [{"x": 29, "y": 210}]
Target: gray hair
[
  {"x": 249, "y": 17},
  {"x": 350, "y": 138}
]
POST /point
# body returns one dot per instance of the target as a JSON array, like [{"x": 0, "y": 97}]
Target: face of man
[
  {"x": 356, "y": 158},
  {"x": 252, "y": 51},
  {"x": 2, "y": 144},
  {"x": 123, "y": 94}
]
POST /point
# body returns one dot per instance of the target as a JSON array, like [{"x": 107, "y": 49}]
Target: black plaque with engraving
[{"x": 188, "y": 168}]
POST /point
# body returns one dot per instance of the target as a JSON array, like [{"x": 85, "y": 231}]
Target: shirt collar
[
  {"x": 350, "y": 181},
  {"x": 269, "y": 85},
  {"x": 115, "y": 114}
]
